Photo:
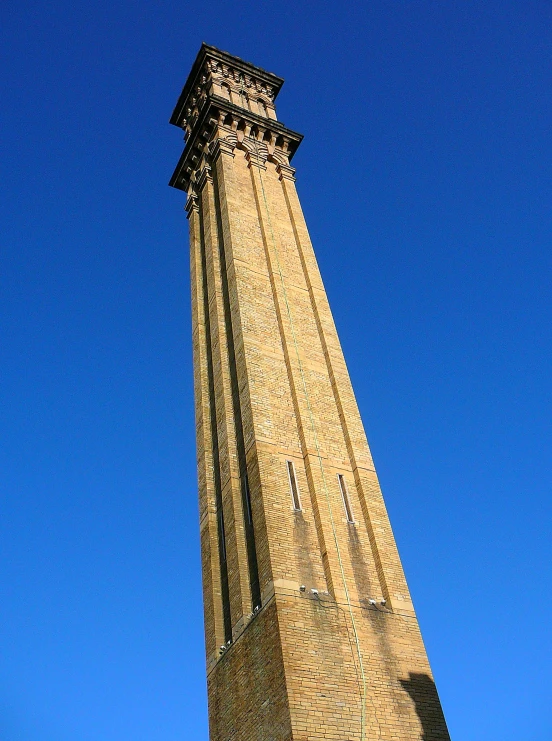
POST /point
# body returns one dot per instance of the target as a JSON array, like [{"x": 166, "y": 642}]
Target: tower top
[
  {"x": 231, "y": 68},
  {"x": 223, "y": 90}
]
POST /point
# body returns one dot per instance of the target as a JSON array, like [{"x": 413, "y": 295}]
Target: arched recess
[
  {"x": 226, "y": 93},
  {"x": 244, "y": 100}
]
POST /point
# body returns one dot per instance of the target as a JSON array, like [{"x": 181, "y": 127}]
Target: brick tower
[{"x": 309, "y": 626}]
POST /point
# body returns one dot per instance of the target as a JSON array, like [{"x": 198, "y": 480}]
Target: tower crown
[
  {"x": 216, "y": 73},
  {"x": 223, "y": 96}
]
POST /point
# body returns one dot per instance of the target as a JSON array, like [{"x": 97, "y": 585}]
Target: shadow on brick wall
[{"x": 423, "y": 692}]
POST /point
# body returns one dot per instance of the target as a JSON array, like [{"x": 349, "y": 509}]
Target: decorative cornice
[
  {"x": 286, "y": 172},
  {"x": 226, "y": 104},
  {"x": 204, "y": 176},
  {"x": 212, "y": 62},
  {"x": 220, "y": 119},
  {"x": 192, "y": 204},
  {"x": 223, "y": 145}
]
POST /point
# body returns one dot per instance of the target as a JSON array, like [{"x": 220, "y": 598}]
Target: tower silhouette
[{"x": 309, "y": 627}]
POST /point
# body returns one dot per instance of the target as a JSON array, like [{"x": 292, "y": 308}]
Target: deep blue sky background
[{"x": 426, "y": 179}]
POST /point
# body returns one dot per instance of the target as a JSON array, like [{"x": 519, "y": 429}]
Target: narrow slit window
[
  {"x": 222, "y": 535},
  {"x": 247, "y": 492},
  {"x": 346, "y": 500},
  {"x": 294, "y": 488}
]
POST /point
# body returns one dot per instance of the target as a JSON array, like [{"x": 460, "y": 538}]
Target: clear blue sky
[{"x": 426, "y": 178}]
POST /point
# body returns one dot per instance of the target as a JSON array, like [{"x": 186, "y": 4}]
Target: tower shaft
[{"x": 309, "y": 626}]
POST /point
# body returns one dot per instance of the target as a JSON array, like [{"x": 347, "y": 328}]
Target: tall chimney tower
[{"x": 309, "y": 627}]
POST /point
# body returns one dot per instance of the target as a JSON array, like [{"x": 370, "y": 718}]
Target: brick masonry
[{"x": 309, "y": 625}]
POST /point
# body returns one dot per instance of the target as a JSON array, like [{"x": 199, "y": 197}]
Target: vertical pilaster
[
  {"x": 210, "y": 552},
  {"x": 384, "y": 549},
  {"x": 297, "y": 381},
  {"x": 231, "y": 233},
  {"x": 227, "y": 420}
]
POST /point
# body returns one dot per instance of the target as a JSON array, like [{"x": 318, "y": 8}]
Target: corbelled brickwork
[{"x": 310, "y": 630}]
